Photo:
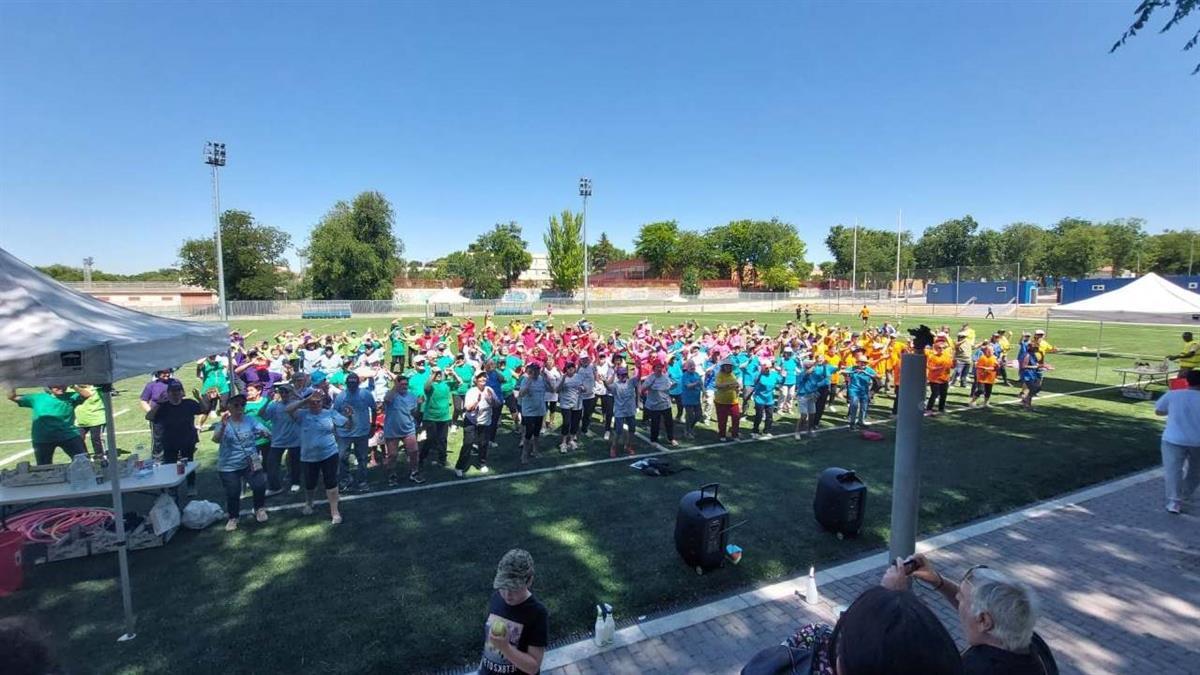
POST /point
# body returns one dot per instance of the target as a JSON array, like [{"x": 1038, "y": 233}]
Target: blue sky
[{"x": 467, "y": 114}]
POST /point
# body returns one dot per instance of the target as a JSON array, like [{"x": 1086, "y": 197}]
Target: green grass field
[{"x": 401, "y": 586}]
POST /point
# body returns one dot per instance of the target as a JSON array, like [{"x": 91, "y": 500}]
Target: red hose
[{"x": 47, "y": 526}]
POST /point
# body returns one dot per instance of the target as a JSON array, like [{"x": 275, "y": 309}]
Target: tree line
[{"x": 1072, "y": 247}]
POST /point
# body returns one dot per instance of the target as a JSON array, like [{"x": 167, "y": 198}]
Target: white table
[
  {"x": 1145, "y": 377},
  {"x": 164, "y": 477}
]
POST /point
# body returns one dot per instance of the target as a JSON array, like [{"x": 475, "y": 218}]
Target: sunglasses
[{"x": 970, "y": 571}]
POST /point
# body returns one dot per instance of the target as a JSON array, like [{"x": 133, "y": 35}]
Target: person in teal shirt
[
  {"x": 675, "y": 372},
  {"x": 53, "y": 421},
  {"x": 399, "y": 347},
  {"x": 507, "y": 387},
  {"x": 691, "y": 388},
  {"x": 444, "y": 358},
  {"x": 465, "y": 371},
  {"x": 438, "y": 413},
  {"x": 764, "y": 386},
  {"x": 859, "y": 380},
  {"x": 788, "y": 364}
]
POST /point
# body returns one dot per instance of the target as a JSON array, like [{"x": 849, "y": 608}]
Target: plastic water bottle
[{"x": 80, "y": 473}]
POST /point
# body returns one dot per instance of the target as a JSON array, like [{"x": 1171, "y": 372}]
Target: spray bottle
[{"x": 811, "y": 596}]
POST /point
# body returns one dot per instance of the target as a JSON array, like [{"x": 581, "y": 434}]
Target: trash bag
[
  {"x": 164, "y": 515},
  {"x": 199, "y": 514}
]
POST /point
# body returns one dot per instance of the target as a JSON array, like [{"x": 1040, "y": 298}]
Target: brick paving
[{"x": 1118, "y": 577}]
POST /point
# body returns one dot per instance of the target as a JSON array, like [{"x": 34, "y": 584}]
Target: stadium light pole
[
  {"x": 87, "y": 271},
  {"x": 585, "y": 191},
  {"x": 854, "y": 264},
  {"x": 899, "y": 224},
  {"x": 214, "y": 156}
]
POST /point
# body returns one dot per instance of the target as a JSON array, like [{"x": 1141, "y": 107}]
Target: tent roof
[
  {"x": 447, "y": 296},
  {"x": 1149, "y": 299},
  {"x": 50, "y": 334}
]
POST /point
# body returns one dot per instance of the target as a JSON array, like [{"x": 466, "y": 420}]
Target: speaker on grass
[
  {"x": 700, "y": 529},
  {"x": 841, "y": 501}
]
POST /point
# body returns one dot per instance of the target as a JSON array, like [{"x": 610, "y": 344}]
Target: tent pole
[
  {"x": 1096, "y": 377},
  {"x": 114, "y": 477}
]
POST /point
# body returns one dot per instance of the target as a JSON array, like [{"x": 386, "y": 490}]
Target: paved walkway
[{"x": 1119, "y": 580}]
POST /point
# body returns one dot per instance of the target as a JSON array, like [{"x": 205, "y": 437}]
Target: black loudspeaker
[
  {"x": 700, "y": 529},
  {"x": 841, "y": 501}
]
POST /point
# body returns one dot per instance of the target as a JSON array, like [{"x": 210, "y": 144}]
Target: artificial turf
[{"x": 401, "y": 586}]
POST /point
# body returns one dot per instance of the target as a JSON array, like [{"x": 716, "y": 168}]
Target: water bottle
[
  {"x": 80, "y": 473},
  {"x": 140, "y": 453}
]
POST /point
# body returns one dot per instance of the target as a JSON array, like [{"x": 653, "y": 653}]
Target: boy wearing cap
[{"x": 516, "y": 631}]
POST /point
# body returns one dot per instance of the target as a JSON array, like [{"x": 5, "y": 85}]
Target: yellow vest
[{"x": 1191, "y": 355}]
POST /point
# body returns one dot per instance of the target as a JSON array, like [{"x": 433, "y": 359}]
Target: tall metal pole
[
  {"x": 1191, "y": 254},
  {"x": 87, "y": 272},
  {"x": 906, "y": 472},
  {"x": 854, "y": 264},
  {"x": 216, "y": 184},
  {"x": 899, "y": 224},
  {"x": 585, "y": 191},
  {"x": 114, "y": 477}
]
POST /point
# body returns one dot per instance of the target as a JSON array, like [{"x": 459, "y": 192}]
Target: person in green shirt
[
  {"x": 437, "y": 413},
  {"x": 255, "y": 402},
  {"x": 416, "y": 384},
  {"x": 399, "y": 347},
  {"x": 89, "y": 417},
  {"x": 53, "y": 420}
]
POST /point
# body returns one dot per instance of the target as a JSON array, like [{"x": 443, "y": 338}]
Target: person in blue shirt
[
  {"x": 400, "y": 427},
  {"x": 787, "y": 364},
  {"x": 763, "y": 390},
  {"x": 319, "y": 447},
  {"x": 808, "y": 388},
  {"x": 353, "y": 438},
  {"x": 859, "y": 381},
  {"x": 238, "y": 459},
  {"x": 675, "y": 372},
  {"x": 708, "y": 410},
  {"x": 285, "y": 440},
  {"x": 748, "y": 372},
  {"x": 691, "y": 386}
]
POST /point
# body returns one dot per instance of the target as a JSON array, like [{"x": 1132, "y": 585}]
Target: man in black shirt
[
  {"x": 997, "y": 615},
  {"x": 515, "y": 634},
  {"x": 174, "y": 421}
]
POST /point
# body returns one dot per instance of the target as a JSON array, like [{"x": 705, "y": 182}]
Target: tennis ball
[{"x": 499, "y": 628}]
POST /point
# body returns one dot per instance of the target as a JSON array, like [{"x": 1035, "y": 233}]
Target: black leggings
[
  {"x": 984, "y": 390},
  {"x": 97, "y": 437},
  {"x": 475, "y": 437},
  {"x": 271, "y": 462},
  {"x": 678, "y": 401},
  {"x": 937, "y": 393},
  {"x": 821, "y": 398},
  {"x": 435, "y": 440},
  {"x": 589, "y": 409},
  {"x": 533, "y": 426},
  {"x": 327, "y": 468},
  {"x": 759, "y": 411},
  {"x": 606, "y": 406},
  {"x": 661, "y": 418},
  {"x": 570, "y": 421}
]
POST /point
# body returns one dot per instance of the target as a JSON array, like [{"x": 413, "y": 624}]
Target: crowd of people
[{"x": 327, "y": 406}]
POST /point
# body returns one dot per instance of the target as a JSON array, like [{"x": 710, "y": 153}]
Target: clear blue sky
[{"x": 466, "y": 114}]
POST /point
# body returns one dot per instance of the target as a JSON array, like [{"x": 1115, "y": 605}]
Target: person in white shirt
[
  {"x": 1181, "y": 442},
  {"x": 479, "y": 404}
]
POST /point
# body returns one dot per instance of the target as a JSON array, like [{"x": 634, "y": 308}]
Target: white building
[{"x": 539, "y": 270}]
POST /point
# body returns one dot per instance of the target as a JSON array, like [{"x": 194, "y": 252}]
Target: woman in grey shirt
[
  {"x": 657, "y": 391},
  {"x": 570, "y": 404}
]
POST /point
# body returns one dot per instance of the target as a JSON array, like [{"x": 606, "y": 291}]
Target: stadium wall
[
  {"x": 998, "y": 292},
  {"x": 1082, "y": 289}
]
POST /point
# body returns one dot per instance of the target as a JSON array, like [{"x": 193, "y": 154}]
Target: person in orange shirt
[
  {"x": 987, "y": 366},
  {"x": 898, "y": 349},
  {"x": 939, "y": 364}
]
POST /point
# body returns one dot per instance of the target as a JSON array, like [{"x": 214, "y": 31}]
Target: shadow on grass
[{"x": 402, "y": 585}]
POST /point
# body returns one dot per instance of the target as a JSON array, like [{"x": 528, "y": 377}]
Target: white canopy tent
[
  {"x": 52, "y": 335},
  {"x": 1149, "y": 299}
]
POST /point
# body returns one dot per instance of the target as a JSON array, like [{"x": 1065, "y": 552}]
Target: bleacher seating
[{"x": 325, "y": 310}]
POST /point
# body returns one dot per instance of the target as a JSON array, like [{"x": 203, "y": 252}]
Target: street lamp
[
  {"x": 214, "y": 156},
  {"x": 585, "y": 191}
]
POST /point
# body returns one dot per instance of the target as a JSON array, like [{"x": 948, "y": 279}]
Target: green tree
[
  {"x": 1123, "y": 240},
  {"x": 876, "y": 251},
  {"x": 479, "y": 270},
  {"x": 353, "y": 252},
  {"x": 509, "y": 252},
  {"x": 947, "y": 244},
  {"x": 778, "y": 279},
  {"x": 1146, "y": 9},
  {"x": 1023, "y": 244},
  {"x": 987, "y": 249},
  {"x": 1074, "y": 248},
  {"x": 697, "y": 252},
  {"x": 603, "y": 252},
  {"x": 564, "y": 248},
  {"x": 689, "y": 282},
  {"x": 658, "y": 244},
  {"x": 253, "y": 254},
  {"x": 1173, "y": 251},
  {"x": 755, "y": 245}
]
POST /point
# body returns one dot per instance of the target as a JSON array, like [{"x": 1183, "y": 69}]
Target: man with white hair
[{"x": 997, "y": 614}]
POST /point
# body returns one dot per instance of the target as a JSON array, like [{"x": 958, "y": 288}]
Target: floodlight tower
[
  {"x": 214, "y": 156},
  {"x": 585, "y": 191}
]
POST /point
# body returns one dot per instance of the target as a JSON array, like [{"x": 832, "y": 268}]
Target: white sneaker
[
  {"x": 272, "y": 493},
  {"x": 574, "y": 444},
  {"x": 796, "y": 435},
  {"x": 562, "y": 449},
  {"x": 484, "y": 469},
  {"x": 295, "y": 488},
  {"x": 606, "y": 435},
  {"x": 458, "y": 473}
]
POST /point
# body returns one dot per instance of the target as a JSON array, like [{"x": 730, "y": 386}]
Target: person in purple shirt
[
  {"x": 257, "y": 370},
  {"x": 155, "y": 391}
]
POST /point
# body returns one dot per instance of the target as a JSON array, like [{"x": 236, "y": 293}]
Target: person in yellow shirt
[
  {"x": 865, "y": 315},
  {"x": 1189, "y": 358},
  {"x": 939, "y": 365},
  {"x": 1043, "y": 345},
  {"x": 986, "y": 369},
  {"x": 727, "y": 398}
]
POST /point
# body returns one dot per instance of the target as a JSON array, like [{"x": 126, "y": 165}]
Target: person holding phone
[{"x": 238, "y": 460}]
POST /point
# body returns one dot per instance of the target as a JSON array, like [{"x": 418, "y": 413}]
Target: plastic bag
[
  {"x": 199, "y": 514},
  {"x": 164, "y": 515}
]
